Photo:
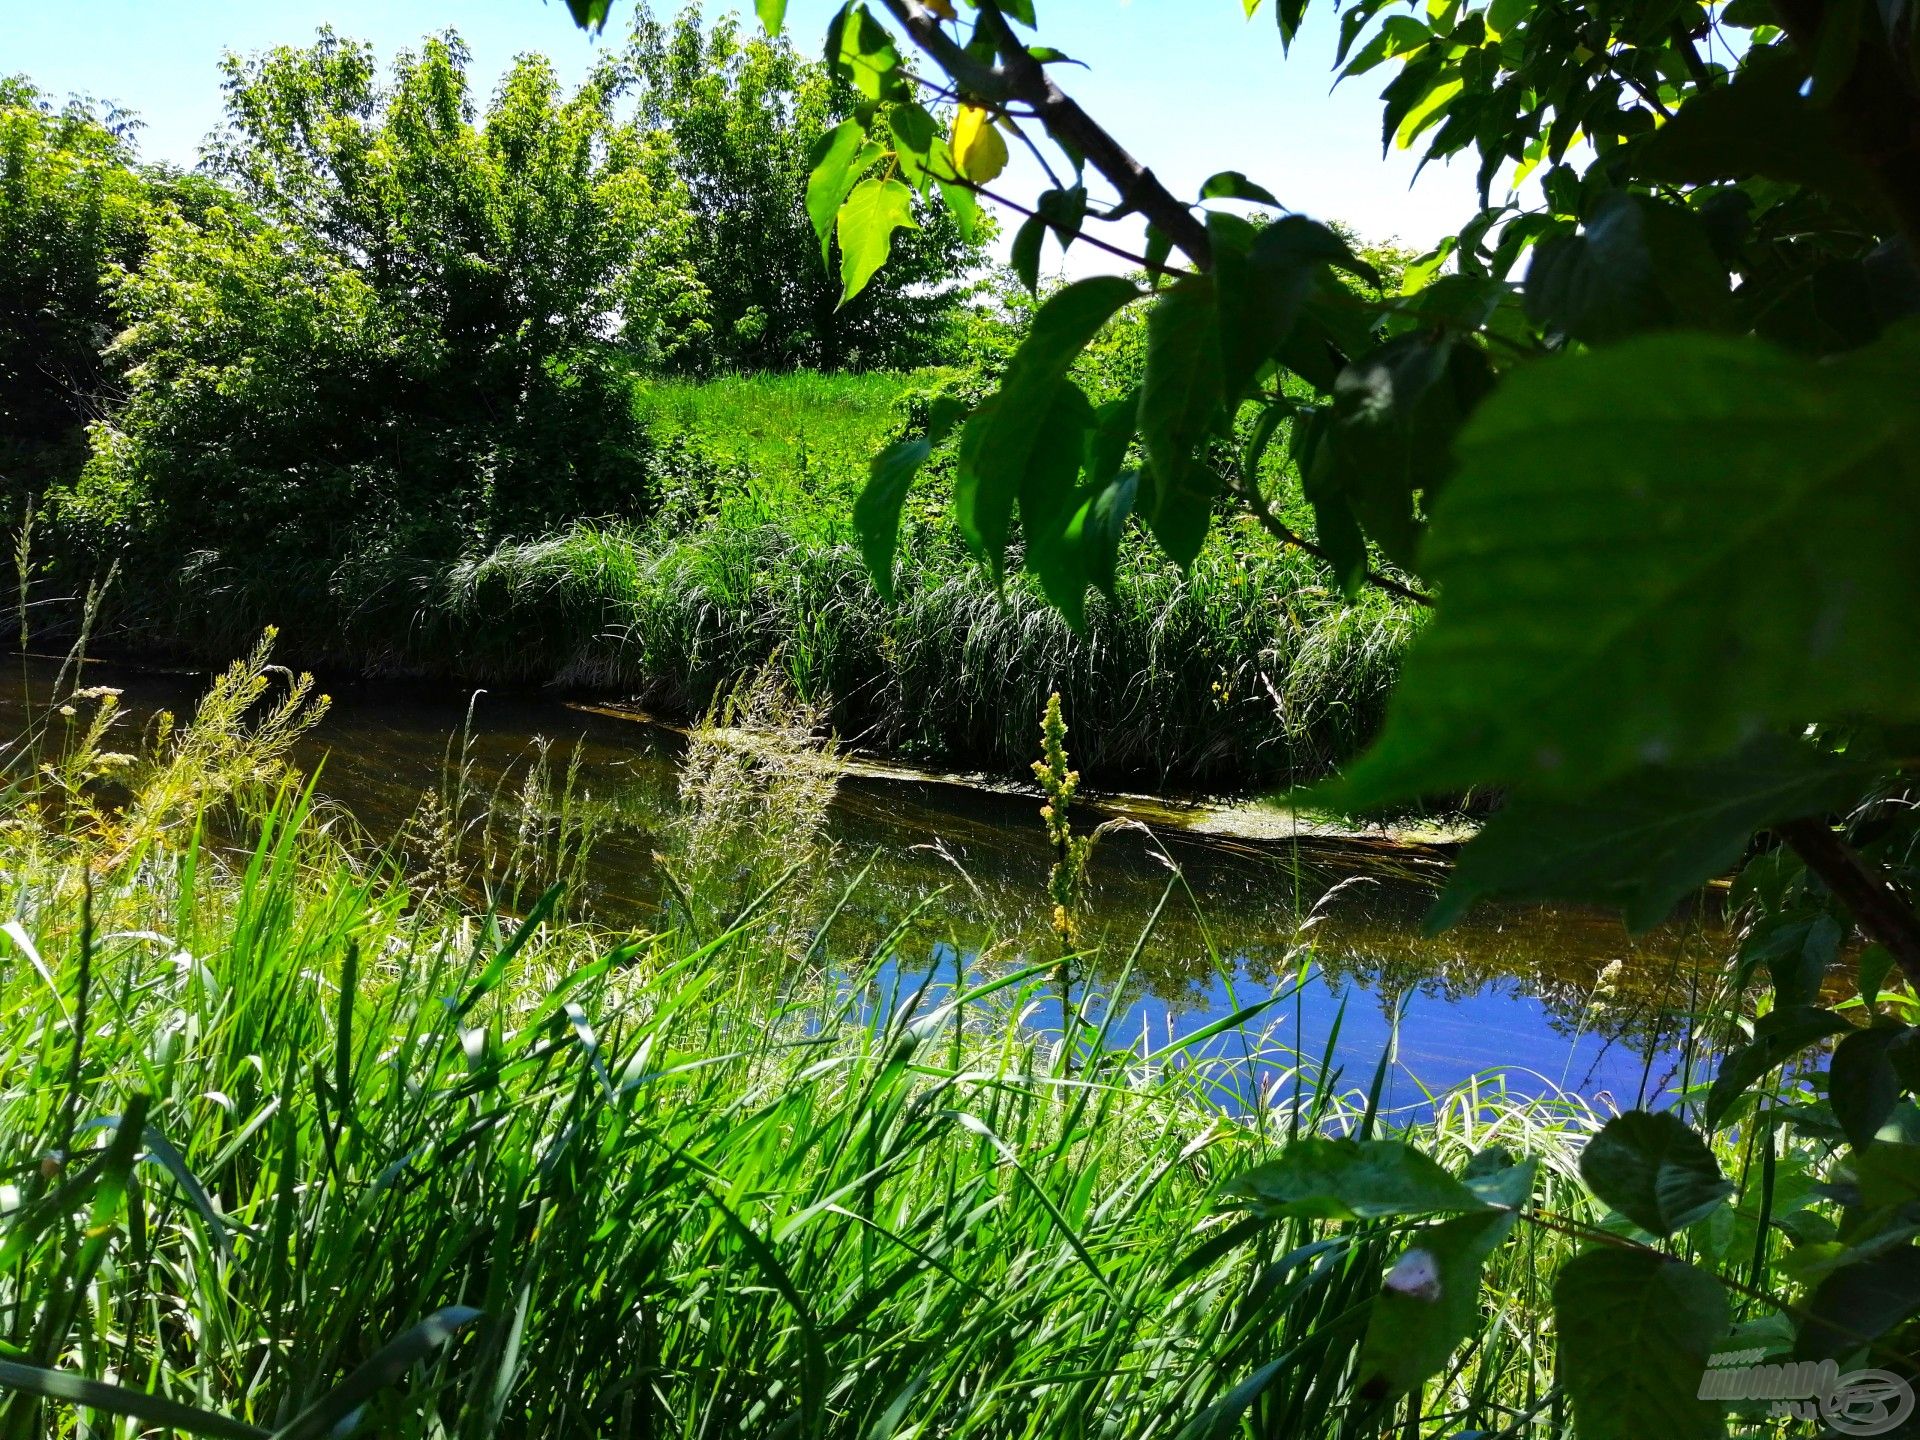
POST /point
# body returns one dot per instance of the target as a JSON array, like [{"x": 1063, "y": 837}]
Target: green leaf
[
  {"x": 1049, "y": 502},
  {"x": 914, "y": 136},
  {"x": 837, "y": 159},
  {"x": 772, "y": 13},
  {"x": 1262, "y": 288},
  {"x": 1652, "y": 1168},
  {"x": 1797, "y": 948},
  {"x": 1065, "y": 211},
  {"x": 1635, "y": 1333},
  {"x": 1888, "y": 1174},
  {"x": 1875, "y": 964},
  {"x": 876, "y": 514},
  {"x": 998, "y": 447},
  {"x": 590, "y": 14},
  {"x": 1864, "y": 1081},
  {"x": 1778, "y": 1037},
  {"x": 1180, "y": 409},
  {"x": 1232, "y": 185},
  {"x": 1352, "y": 1180},
  {"x": 1639, "y": 264},
  {"x": 1112, "y": 438},
  {"x": 1429, "y": 1304},
  {"x": 1288, "y": 15},
  {"x": 961, "y": 202},
  {"x": 1651, "y": 553},
  {"x": 1389, "y": 435},
  {"x": 1648, "y": 840},
  {"x": 1858, "y": 1304},
  {"x": 1419, "y": 77},
  {"x": 1099, "y": 525},
  {"x": 1025, "y": 255},
  {"x": 861, "y": 52},
  {"x": 154, "y": 1410},
  {"x": 1335, "y": 529},
  {"x": 1504, "y": 15},
  {"x": 874, "y": 210},
  {"x": 1497, "y": 1178}
]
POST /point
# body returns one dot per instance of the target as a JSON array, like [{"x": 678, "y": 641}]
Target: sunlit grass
[
  {"x": 1244, "y": 671},
  {"x": 698, "y": 1181}
]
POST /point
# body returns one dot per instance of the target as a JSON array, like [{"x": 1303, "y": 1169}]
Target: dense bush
[
  {"x": 394, "y": 333},
  {"x": 393, "y": 323}
]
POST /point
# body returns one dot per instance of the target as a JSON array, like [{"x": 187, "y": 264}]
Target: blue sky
[{"x": 1190, "y": 86}]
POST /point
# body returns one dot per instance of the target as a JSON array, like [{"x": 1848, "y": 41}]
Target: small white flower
[{"x": 1417, "y": 1274}]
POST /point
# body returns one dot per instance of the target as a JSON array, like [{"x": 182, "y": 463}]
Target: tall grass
[
  {"x": 291, "y": 1139},
  {"x": 1243, "y": 671},
  {"x": 1246, "y": 671}
]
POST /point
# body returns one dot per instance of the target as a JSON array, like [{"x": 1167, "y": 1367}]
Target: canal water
[{"x": 1326, "y": 931}]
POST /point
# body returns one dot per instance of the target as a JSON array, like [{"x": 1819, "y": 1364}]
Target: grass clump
[
  {"x": 737, "y": 551},
  {"x": 1244, "y": 671},
  {"x": 289, "y": 1135}
]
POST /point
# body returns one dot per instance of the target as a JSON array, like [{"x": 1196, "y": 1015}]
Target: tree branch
[
  {"x": 1152, "y": 267},
  {"x": 1877, "y": 907},
  {"x": 1021, "y": 77},
  {"x": 1287, "y": 535},
  {"x": 1875, "y": 107}
]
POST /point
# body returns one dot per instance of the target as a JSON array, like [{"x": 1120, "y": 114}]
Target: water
[{"x": 1547, "y": 998}]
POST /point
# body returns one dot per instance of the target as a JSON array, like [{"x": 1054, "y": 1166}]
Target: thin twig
[
  {"x": 1153, "y": 267},
  {"x": 1021, "y": 77},
  {"x": 1287, "y": 535}
]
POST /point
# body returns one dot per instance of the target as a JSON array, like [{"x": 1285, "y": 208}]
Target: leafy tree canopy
[
  {"x": 742, "y": 114},
  {"x": 404, "y": 319},
  {"x": 1642, "y": 433},
  {"x": 74, "y": 205}
]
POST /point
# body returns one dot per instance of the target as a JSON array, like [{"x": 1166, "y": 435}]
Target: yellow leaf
[
  {"x": 942, "y": 8},
  {"x": 977, "y": 147}
]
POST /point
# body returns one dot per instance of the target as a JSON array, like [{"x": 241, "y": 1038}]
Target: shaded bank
[{"x": 1244, "y": 672}]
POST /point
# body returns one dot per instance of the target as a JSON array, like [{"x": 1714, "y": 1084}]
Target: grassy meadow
[
  {"x": 694, "y": 1182},
  {"x": 301, "y": 1130}
]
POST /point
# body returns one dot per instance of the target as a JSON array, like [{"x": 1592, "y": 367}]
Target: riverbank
[
  {"x": 1245, "y": 673},
  {"x": 728, "y": 1176},
  {"x": 1559, "y": 997}
]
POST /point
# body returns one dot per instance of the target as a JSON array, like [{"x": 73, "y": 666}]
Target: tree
[
  {"x": 1661, "y": 493},
  {"x": 744, "y": 113},
  {"x": 74, "y": 205},
  {"x": 406, "y": 328}
]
